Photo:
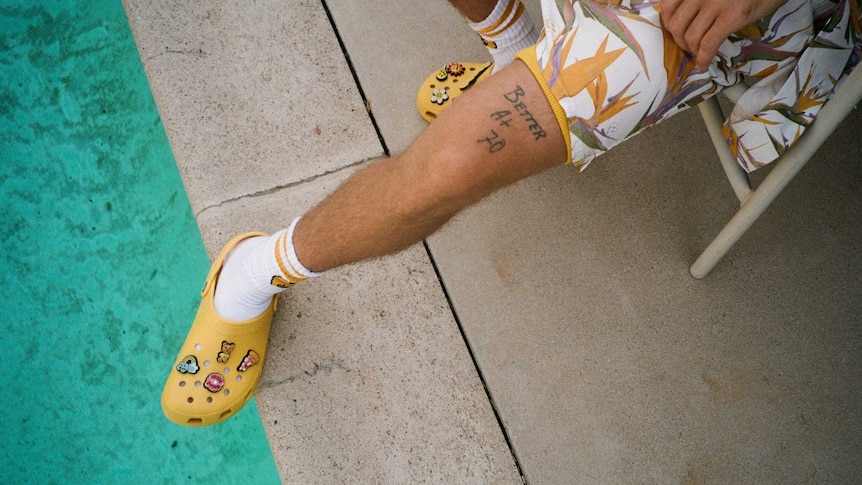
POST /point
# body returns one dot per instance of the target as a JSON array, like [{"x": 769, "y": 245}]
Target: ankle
[
  {"x": 291, "y": 253},
  {"x": 254, "y": 272},
  {"x": 507, "y": 30},
  {"x": 239, "y": 295}
]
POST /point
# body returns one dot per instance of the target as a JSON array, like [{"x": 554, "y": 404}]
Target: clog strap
[{"x": 471, "y": 82}]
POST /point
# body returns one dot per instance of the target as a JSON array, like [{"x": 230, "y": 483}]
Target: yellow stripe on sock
[
  {"x": 518, "y": 14},
  {"x": 490, "y": 31},
  {"x": 295, "y": 271},
  {"x": 289, "y": 275}
]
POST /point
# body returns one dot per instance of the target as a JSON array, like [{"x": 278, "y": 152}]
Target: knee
[
  {"x": 461, "y": 175},
  {"x": 433, "y": 183}
]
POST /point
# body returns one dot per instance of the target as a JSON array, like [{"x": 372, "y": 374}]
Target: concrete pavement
[{"x": 551, "y": 331}]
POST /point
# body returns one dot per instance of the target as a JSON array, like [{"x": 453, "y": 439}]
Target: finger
[
  {"x": 710, "y": 43},
  {"x": 725, "y": 24},
  {"x": 677, "y": 24},
  {"x": 697, "y": 29},
  {"x": 668, "y": 7}
]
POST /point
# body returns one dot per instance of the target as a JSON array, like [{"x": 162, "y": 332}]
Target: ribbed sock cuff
[
  {"x": 296, "y": 266},
  {"x": 508, "y": 23},
  {"x": 506, "y": 30}
]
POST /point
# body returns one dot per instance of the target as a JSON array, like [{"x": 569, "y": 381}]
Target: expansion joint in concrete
[
  {"x": 355, "y": 77},
  {"x": 327, "y": 367},
  {"x": 187, "y": 52},
  {"x": 278, "y": 188},
  {"x": 476, "y": 365}
]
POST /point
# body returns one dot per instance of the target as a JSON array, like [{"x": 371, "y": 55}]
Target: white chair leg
[
  {"x": 751, "y": 209},
  {"x": 713, "y": 118},
  {"x": 832, "y": 113}
]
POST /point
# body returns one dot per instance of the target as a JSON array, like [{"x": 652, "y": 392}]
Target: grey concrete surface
[
  {"x": 368, "y": 378},
  {"x": 610, "y": 364},
  {"x": 394, "y": 45},
  {"x": 252, "y": 95},
  {"x": 606, "y": 361}
]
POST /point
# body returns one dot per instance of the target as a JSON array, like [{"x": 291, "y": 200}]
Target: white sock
[
  {"x": 254, "y": 271},
  {"x": 507, "y": 30}
]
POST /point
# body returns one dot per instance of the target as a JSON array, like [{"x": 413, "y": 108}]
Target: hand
[{"x": 700, "y": 26}]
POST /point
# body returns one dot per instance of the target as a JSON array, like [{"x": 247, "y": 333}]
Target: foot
[
  {"x": 220, "y": 363},
  {"x": 441, "y": 88},
  {"x": 241, "y": 293}
]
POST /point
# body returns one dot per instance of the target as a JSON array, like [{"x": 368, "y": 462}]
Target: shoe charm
[
  {"x": 440, "y": 96},
  {"x": 455, "y": 69},
  {"x": 189, "y": 365},
  {"x": 226, "y": 349},
  {"x": 250, "y": 359},
  {"x": 214, "y": 382}
]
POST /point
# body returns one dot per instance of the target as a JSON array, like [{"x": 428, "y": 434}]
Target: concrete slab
[
  {"x": 394, "y": 45},
  {"x": 252, "y": 95},
  {"x": 608, "y": 363},
  {"x": 368, "y": 378}
]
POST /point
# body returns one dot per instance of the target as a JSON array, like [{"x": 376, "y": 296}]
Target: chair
[{"x": 753, "y": 202}]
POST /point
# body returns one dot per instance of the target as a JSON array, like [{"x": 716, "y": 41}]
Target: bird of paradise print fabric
[{"x": 615, "y": 72}]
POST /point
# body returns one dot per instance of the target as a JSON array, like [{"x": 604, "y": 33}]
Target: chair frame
[{"x": 753, "y": 202}]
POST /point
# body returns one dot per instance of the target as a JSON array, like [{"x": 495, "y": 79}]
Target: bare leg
[
  {"x": 457, "y": 161},
  {"x": 474, "y": 10}
]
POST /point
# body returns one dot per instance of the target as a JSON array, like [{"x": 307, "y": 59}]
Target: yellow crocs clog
[
  {"x": 442, "y": 87},
  {"x": 221, "y": 361}
]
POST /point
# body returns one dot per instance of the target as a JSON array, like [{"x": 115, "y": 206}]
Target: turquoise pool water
[{"x": 101, "y": 266}]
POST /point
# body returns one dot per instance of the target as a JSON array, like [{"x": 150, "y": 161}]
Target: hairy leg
[
  {"x": 474, "y": 10},
  {"x": 470, "y": 151}
]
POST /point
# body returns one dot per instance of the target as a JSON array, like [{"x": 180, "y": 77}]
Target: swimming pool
[{"x": 102, "y": 264}]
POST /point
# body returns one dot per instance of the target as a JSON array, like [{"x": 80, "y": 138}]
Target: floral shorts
[{"x": 610, "y": 71}]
